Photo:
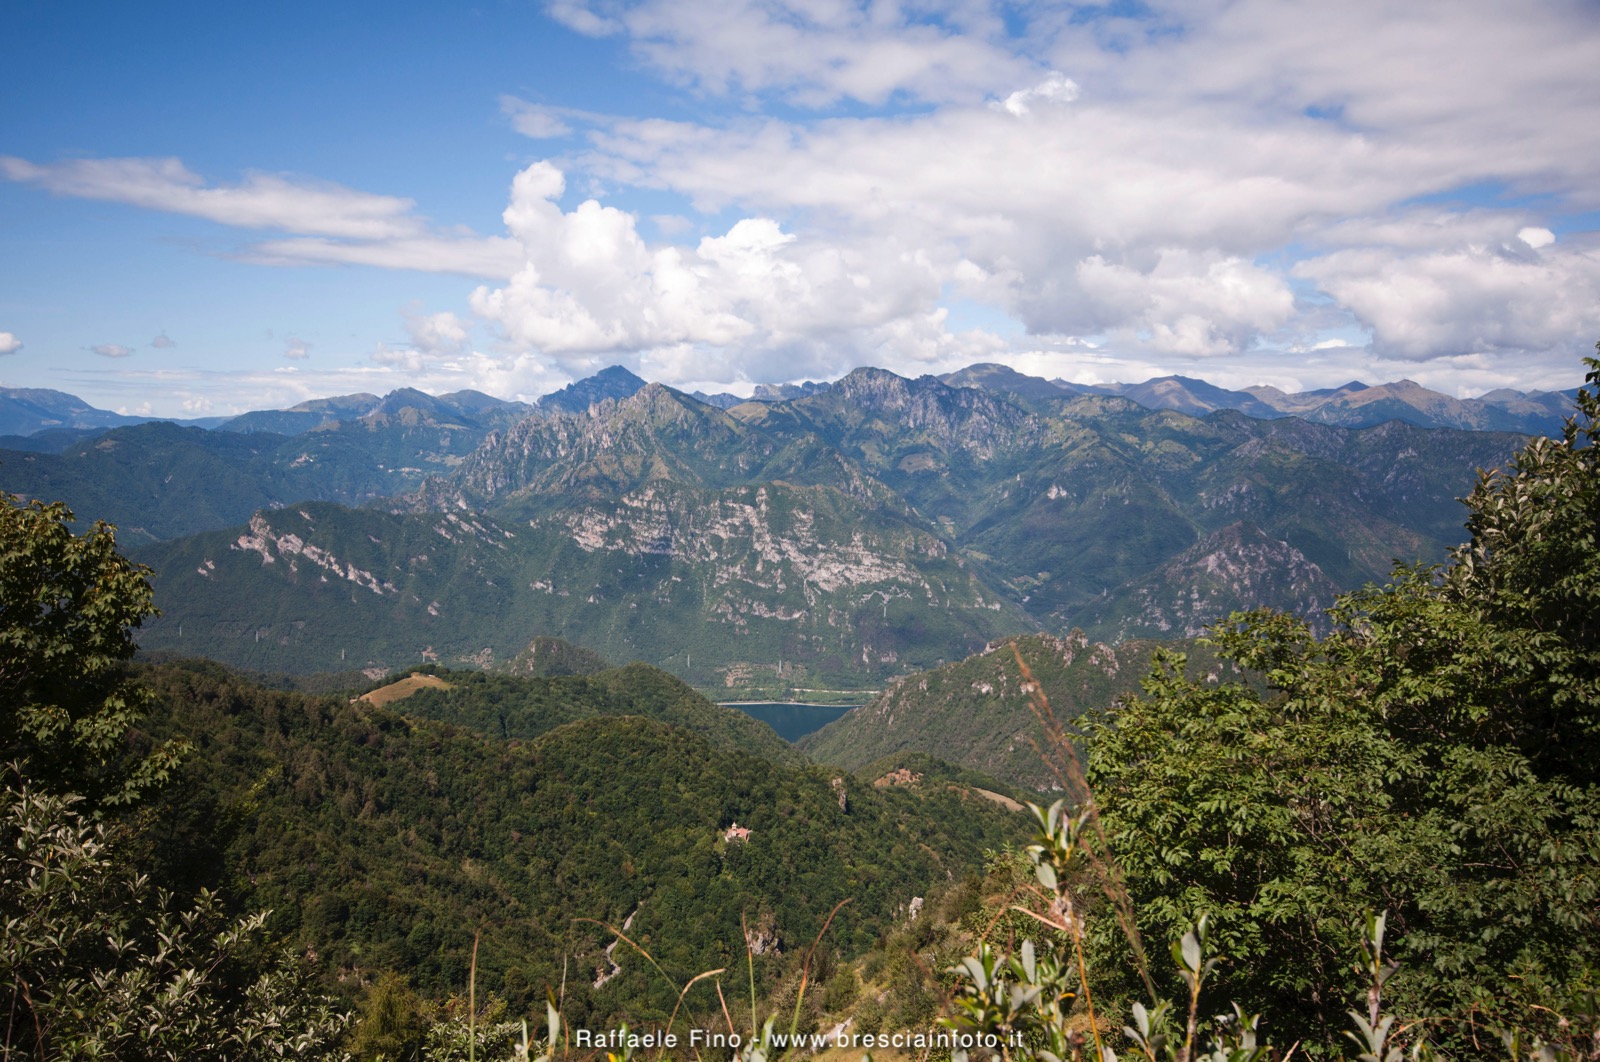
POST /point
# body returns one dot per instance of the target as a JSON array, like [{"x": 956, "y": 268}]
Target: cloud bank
[
  {"x": 1248, "y": 191},
  {"x": 1190, "y": 190}
]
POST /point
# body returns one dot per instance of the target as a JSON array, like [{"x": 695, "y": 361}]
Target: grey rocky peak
[
  {"x": 1004, "y": 378},
  {"x": 611, "y": 382},
  {"x": 783, "y": 392}
]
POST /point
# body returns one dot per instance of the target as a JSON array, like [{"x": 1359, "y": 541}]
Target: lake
[{"x": 792, "y": 721}]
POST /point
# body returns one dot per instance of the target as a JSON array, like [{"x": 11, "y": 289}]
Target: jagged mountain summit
[
  {"x": 763, "y": 393},
  {"x": 612, "y": 382}
]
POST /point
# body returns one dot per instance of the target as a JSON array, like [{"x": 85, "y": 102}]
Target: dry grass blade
[
  {"x": 679, "y": 1005},
  {"x": 472, "y": 1001},
  {"x": 805, "y": 967},
  {"x": 725, "y": 1015},
  {"x": 750, "y": 965}
]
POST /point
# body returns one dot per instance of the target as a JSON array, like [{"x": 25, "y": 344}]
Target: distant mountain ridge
[
  {"x": 1353, "y": 405},
  {"x": 160, "y": 480},
  {"x": 305, "y": 416},
  {"x": 27, "y": 411},
  {"x": 469, "y": 408}
]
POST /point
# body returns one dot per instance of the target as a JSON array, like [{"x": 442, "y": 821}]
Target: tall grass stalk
[
  {"x": 805, "y": 968},
  {"x": 1060, "y": 754},
  {"x": 750, "y": 965}
]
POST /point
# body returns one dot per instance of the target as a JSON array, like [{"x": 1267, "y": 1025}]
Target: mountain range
[
  {"x": 26, "y": 412},
  {"x": 831, "y": 540},
  {"x": 1354, "y": 405},
  {"x": 497, "y": 782}
]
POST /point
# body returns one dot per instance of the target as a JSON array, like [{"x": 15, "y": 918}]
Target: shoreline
[{"x": 792, "y": 704}]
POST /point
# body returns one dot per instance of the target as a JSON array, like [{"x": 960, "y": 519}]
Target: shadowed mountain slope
[{"x": 975, "y": 713}]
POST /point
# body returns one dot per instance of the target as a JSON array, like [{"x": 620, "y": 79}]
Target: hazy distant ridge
[{"x": 1354, "y": 405}]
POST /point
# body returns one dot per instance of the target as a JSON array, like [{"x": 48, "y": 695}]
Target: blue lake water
[{"x": 793, "y": 721}]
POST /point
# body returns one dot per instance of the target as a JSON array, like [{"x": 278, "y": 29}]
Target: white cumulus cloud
[
  {"x": 9, "y": 343},
  {"x": 436, "y": 333},
  {"x": 1188, "y": 304},
  {"x": 591, "y": 284},
  {"x": 1536, "y": 237},
  {"x": 1057, "y": 88},
  {"x": 1470, "y": 299},
  {"x": 111, "y": 350},
  {"x": 1179, "y": 174}
]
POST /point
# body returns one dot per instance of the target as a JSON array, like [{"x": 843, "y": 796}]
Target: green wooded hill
[
  {"x": 506, "y": 706},
  {"x": 549, "y": 657},
  {"x": 383, "y": 840},
  {"x": 975, "y": 714},
  {"x": 918, "y": 769},
  {"x": 879, "y": 526}
]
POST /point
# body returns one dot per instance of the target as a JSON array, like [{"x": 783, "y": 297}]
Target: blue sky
[{"x": 205, "y": 209}]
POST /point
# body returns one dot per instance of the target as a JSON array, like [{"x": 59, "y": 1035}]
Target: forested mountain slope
[
  {"x": 976, "y": 713},
  {"x": 384, "y": 841}
]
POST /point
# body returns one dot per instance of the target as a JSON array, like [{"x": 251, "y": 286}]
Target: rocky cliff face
[
  {"x": 1229, "y": 570},
  {"x": 655, "y": 434}
]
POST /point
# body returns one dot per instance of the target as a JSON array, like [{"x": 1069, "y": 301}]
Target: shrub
[{"x": 92, "y": 964}]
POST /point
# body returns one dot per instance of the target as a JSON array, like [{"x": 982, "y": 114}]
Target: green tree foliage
[
  {"x": 394, "y": 1021},
  {"x": 1435, "y": 756},
  {"x": 68, "y": 607},
  {"x": 94, "y": 961}
]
